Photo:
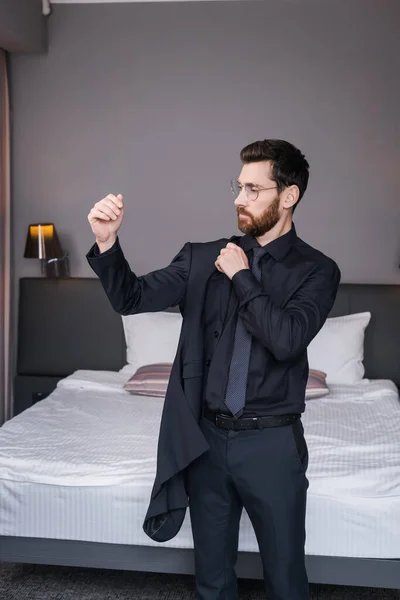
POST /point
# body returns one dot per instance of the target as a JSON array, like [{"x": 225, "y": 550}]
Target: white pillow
[
  {"x": 338, "y": 348},
  {"x": 150, "y": 338}
]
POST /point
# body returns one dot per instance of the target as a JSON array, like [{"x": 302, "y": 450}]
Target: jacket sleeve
[
  {"x": 131, "y": 294},
  {"x": 287, "y": 332}
]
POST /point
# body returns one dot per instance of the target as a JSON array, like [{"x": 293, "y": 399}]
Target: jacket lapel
[{"x": 228, "y": 298}]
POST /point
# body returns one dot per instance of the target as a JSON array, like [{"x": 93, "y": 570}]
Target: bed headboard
[{"x": 68, "y": 324}]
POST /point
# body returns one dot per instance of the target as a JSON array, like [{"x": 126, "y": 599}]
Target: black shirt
[
  {"x": 213, "y": 328},
  {"x": 278, "y": 371}
]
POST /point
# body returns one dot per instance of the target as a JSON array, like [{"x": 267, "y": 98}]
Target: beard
[{"x": 258, "y": 226}]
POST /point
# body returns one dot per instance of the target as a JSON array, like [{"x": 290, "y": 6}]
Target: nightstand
[
  {"x": 36, "y": 396},
  {"x": 30, "y": 389}
]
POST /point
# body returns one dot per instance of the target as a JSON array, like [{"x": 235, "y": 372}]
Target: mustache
[{"x": 241, "y": 211}]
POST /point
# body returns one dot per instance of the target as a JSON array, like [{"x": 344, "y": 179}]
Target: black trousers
[{"x": 264, "y": 471}]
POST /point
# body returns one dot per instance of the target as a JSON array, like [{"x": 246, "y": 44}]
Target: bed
[{"x": 64, "y": 500}]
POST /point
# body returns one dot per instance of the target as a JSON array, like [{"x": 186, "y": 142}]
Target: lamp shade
[{"x": 42, "y": 242}]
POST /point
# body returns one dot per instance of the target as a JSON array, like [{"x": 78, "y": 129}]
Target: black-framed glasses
[{"x": 250, "y": 190}]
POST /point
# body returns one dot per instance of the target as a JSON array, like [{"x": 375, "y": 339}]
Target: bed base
[{"x": 366, "y": 572}]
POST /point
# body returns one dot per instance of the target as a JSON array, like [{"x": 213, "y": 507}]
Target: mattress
[{"x": 80, "y": 465}]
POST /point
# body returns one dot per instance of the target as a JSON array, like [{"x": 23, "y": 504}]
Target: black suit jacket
[{"x": 184, "y": 283}]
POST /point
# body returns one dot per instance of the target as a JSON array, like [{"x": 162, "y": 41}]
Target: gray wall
[
  {"x": 156, "y": 101},
  {"x": 22, "y": 26}
]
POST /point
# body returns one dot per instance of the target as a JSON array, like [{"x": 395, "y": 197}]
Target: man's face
[{"x": 256, "y": 217}]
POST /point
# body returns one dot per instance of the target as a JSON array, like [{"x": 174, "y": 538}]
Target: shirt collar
[{"x": 278, "y": 248}]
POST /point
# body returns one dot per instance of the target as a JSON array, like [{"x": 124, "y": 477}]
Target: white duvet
[
  {"x": 80, "y": 465},
  {"x": 353, "y": 437},
  {"x": 90, "y": 431}
]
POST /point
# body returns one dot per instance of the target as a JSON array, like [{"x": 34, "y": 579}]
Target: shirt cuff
[
  {"x": 246, "y": 286},
  {"x": 94, "y": 251}
]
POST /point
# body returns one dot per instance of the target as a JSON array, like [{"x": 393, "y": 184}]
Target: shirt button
[
  {"x": 208, "y": 362},
  {"x": 216, "y": 334}
]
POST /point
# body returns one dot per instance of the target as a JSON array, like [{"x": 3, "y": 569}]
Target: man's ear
[{"x": 290, "y": 196}]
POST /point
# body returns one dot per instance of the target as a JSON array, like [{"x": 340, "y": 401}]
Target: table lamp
[{"x": 42, "y": 242}]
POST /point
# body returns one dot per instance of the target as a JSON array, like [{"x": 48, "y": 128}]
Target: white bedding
[
  {"x": 81, "y": 463},
  {"x": 89, "y": 431}
]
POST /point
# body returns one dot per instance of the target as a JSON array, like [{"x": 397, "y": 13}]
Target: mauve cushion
[{"x": 152, "y": 380}]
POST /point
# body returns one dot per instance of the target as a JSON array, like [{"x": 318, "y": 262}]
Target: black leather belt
[{"x": 226, "y": 422}]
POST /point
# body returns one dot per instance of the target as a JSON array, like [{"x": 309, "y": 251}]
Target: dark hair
[{"x": 289, "y": 165}]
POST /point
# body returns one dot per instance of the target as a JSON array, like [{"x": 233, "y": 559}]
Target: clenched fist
[
  {"x": 231, "y": 260},
  {"x": 105, "y": 219}
]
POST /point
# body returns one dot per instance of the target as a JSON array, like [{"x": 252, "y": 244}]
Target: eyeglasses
[{"x": 249, "y": 189}]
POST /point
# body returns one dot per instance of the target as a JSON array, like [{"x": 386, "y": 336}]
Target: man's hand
[
  {"x": 105, "y": 219},
  {"x": 231, "y": 260}
]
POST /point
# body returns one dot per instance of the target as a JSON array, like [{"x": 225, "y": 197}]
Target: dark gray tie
[{"x": 235, "y": 398}]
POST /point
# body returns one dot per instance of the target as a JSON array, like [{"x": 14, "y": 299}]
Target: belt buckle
[
  {"x": 223, "y": 421},
  {"x": 218, "y": 418},
  {"x": 259, "y": 423}
]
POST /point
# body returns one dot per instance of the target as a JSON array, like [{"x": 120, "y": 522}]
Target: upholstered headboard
[{"x": 68, "y": 324}]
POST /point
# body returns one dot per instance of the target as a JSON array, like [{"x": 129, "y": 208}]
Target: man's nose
[{"x": 241, "y": 199}]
